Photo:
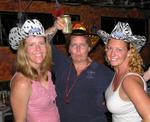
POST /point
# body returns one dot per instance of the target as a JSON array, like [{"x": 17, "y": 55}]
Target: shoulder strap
[
  {"x": 136, "y": 74},
  {"x": 12, "y": 79}
]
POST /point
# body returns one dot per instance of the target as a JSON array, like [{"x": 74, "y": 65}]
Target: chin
[
  {"x": 38, "y": 62},
  {"x": 77, "y": 61},
  {"x": 113, "y": 64}
]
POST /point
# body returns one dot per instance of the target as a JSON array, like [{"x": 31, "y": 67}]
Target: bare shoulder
[
  {"x": 133, "y": 83},
  {"x": 132, "y": 80},
  {"x": 133, "y": 87},
  {"x": 20, "y": 82}
]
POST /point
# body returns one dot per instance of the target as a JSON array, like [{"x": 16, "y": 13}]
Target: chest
[{"x": 41, "y": 95}]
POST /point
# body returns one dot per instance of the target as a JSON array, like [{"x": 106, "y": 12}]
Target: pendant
[{"x": 66, "y": 99}]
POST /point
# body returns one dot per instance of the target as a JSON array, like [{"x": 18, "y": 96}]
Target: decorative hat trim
[
  {"x": 31, "y": 27},
  {"x": 122, "y": 31}
]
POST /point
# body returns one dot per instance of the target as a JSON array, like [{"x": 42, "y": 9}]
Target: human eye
[
  {"x": 30, "y": 45},
  {"x": 83, "y": 46},
  {"x": 119, "y": 49},
  {"x": 42, "y": 43},
  {"x": 73, "y": 45},
  {"x": 108, "y": 48}
]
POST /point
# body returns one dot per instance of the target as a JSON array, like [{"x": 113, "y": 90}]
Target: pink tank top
[{"x": 42, "y": 106}]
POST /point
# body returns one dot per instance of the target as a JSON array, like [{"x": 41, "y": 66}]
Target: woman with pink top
[{"x": 32, "y": 90}]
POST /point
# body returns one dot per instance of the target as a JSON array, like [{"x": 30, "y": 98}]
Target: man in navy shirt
[{"x": 80, "y": 82}]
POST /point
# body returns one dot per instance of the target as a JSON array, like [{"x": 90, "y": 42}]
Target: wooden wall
[
  {"x": 7, "y": 59},
  {"x": 91, "y": 15}
]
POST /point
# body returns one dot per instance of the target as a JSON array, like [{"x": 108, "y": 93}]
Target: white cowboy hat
[
  {"x": 31, "y": 27},
  {"x": 122, "y": 31}
]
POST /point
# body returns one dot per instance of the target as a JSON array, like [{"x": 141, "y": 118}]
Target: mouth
[
  {"x": 113, "y": 59},
  {"x": 37, "y": 55}
]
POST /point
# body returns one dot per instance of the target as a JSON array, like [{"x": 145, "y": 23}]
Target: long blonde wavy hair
[
  {"x": 23, "y": 65},
  {"x": 136, "y": 61}
]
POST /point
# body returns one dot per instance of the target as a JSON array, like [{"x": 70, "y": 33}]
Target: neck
[
  {"x": 81, "y": 66},
  {"x": 120, "y": 73},
  {"x": 118, "y": 77}
]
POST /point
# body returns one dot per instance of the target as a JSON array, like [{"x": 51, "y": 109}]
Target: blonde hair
[
  {"x": 23, "y": 65},
  {"x": 135, "y": 62}
]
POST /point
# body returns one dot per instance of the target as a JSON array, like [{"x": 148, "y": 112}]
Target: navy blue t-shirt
[{"x": 85, "y": 92}]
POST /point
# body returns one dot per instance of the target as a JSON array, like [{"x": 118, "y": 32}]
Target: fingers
[{"x": 59, "y": 23}]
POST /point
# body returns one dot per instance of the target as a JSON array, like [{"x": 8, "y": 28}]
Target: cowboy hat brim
[{"x": 136, "y": 40}]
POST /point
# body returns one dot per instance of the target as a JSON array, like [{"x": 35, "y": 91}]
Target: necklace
[{"x": 67, "y": 89}]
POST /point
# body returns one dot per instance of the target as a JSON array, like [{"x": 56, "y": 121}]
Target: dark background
[
  {"x": 138, "y": 26},
  {"x": 12, "y": 19}
]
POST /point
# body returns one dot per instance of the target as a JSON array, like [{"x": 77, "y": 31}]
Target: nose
[
  {"x": 37, "y": 47},
  {"x": 113, "y": 52},
  {"x": 78, "y": 48}
]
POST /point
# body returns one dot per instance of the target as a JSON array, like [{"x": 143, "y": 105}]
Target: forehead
[
  {"x": 116, "y": 43},
  {"x": 34, "y": 38},
  {"x": 79, "y": 39}
]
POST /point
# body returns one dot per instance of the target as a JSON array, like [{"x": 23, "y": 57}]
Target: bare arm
[
  {"x": 58, "y": 25},
  {"x": 134, "y": 89},
  {"x": 20, "y": 93}
]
